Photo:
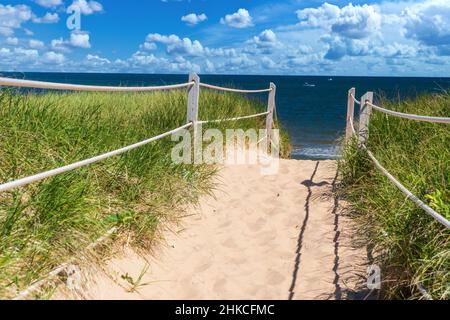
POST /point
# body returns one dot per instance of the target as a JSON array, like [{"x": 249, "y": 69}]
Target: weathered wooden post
[
  {"x": 350, "y": 114},
  {"x": 364, "y": 117},
  {"x": 192, "y": 116},
  {"x": 270, "y": 110},
  {"x": 193, "y": 96}
]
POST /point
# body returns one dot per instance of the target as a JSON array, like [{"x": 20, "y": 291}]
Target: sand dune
[{"x": 262, "y": 237}]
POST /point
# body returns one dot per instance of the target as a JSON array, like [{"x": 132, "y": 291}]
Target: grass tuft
[
  {"x": 410, "y": 246},
  {"x": 47, "y": 222}
]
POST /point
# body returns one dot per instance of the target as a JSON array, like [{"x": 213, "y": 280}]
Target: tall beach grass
[
  {"x": 410, "y": 246},
  {"x": 47, "y": 222}
]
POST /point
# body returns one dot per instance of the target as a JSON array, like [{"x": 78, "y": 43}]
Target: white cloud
[
  {"x": 429, "y": 23},
  {"x": 95, "y": 60},
  {"x": 26, "y": 54},
  {"x": 12, "y": 41},
  {"x": 80, "y": 40},
  {"x": 175, "y": 45},
  {"x": 192, "y": 19},
  {"x": 35, "y": 44},
  {"x": 239, "y": 19},
  {"x": 47, "y": 18},
  {"x": 12, "y": 17},
  {"x": 49, "y": 3},
  {"x": 351, "y": 21},
  {"x": 265, "y": 39},
  {"x": 53, "y": 58},
  {"x": 87, "y": 7}
]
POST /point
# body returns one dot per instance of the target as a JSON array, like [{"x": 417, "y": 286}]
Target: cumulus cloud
[
  {"x": 77, "y": 39},
  {"x": 12, "y": 17},
  {"x": 429, "y": 23},
  {"x": 35, "y": 44},
  {"x": 53, "y": 58},
  {"x": 265, "y": 39},
  {"x": 12, "y": 41},
  {"x": 49, "y": 3},
  {"x": 192, "y": 19},
  {"x": 47, "y": 18},
  {"x": 80, "y": 40},
  {"x": 351, "y": 21},
  {"x": 176, "y": 45},
  {"x": 95, "y": 60},
  {"x": 239, "y": 19},
  {"x": 87, "y": 7}
]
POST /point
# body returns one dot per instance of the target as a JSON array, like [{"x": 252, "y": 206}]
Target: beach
[{"x": 258, "y": 237}]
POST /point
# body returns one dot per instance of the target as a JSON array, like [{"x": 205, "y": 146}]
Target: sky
[{"x": 291, "y": 37}]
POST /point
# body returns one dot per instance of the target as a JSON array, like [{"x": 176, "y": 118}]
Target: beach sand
[{"x": 260, "y": 237}]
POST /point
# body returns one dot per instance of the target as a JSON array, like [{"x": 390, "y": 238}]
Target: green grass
[
  {"x": 409, "y": 245},
  {"x": 47, "y": 222}
]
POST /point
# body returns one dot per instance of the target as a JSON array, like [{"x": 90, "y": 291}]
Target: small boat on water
[
  {"x": 330, "y": 79},
  {"x": 306, "y": 84}
]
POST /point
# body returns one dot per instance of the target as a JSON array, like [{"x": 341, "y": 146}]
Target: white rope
[
  {"x": 410, "y": 116},
  {"x": 61, "y": 268},
  {"x": 233, "y": 90},
  {"x": 233, "y": 119},
  {"x": 352, "y": 126},
  {"x": 354, "y": 99},
  {"x": 408, "y": 193},
  {"x": 75, "y": 87},
  {"x": 53, "y": 172}
]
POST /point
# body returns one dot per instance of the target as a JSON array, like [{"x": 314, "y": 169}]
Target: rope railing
[
  {"x": 210, "y": 86},
  {"x": 193, "y": 84},
  {"x": 355, "y": 100},
  {"x": 410, "y": 116},
  {"x": 397, "y": 183},
  {"x": 10, "y": 82},
  {"x": 37, "y": 177},
  {"x": 409, "y": 194},
  {"x": 234, "y": 119}
]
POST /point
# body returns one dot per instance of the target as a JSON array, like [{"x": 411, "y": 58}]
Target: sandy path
[{"x": 263, "y": 237}]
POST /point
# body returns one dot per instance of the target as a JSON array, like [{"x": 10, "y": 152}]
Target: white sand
[{"x": 244, "y": 244}]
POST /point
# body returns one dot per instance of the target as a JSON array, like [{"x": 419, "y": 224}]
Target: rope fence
[
  {"x": 366, "y": 105},
  {"x": 194, "y": 90},
  {"x": 363, "y": 136},
  {"x": 209, "y": 86},
  {"x": 78, "y": 87},
  {"x": 192, "y": 113},
  {"x": 410, "y": 116}
]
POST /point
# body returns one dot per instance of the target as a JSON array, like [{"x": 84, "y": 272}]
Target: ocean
[{"x": 311, "y": 108}]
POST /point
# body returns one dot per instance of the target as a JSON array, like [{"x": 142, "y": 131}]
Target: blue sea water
[{"x": 314, "y": 116}]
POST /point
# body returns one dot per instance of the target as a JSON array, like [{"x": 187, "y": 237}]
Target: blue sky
[{"x": 304, "y": 37}]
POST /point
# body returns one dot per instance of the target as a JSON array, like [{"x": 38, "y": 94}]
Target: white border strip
[
  {"x": 210, "y": 86},
  {"x": 410, "y": 116},
  {"x": 75, "y": 87},
  {"x": 53, "y": 172}
]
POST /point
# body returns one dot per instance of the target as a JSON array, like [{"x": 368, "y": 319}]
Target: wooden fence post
[
  {"x": 350, "y": 114},
  {"x": 270, "y": 110},
  {"x": 364, "y": 117},
  {"x": 194, "y": 93},
  {"x": 192, "y": 116}
]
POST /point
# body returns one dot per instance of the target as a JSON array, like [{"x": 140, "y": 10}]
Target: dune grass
[
  {"x": 409, "y": 245},
  {"x": 47, "y": 222}
]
